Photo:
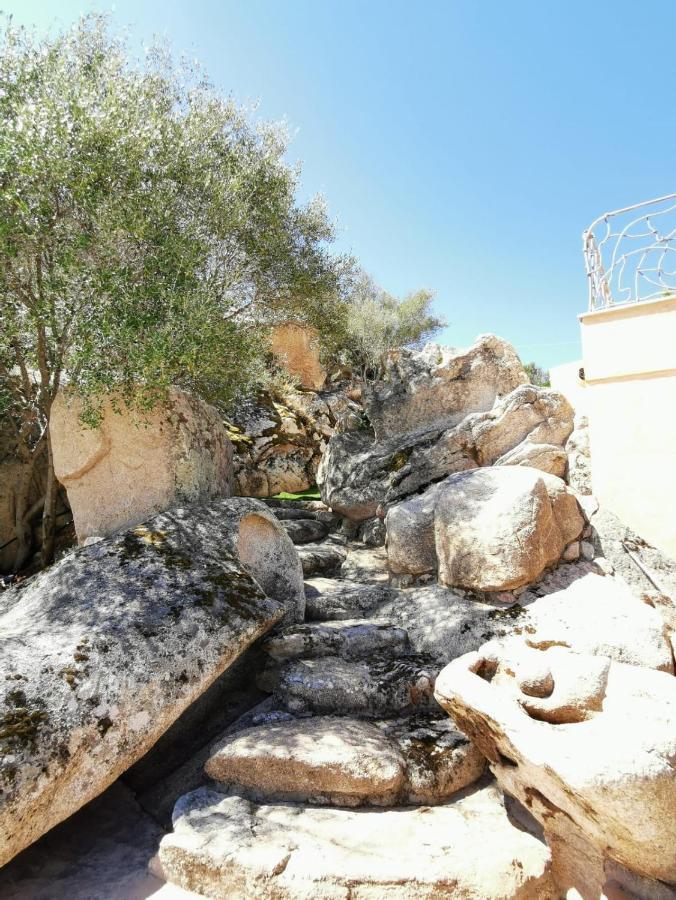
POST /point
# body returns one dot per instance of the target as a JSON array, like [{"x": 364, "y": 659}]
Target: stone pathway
[{"x": 349, "y": 781}]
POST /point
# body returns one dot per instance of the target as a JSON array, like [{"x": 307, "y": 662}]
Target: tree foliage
[
  {"x": 149, "y": 234},
  {"x": 537, "y": 374},
  {"x": 378, "y": 322}
]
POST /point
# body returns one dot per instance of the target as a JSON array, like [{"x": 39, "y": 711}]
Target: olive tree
[
  {"x": 149, "y": 233},
  {"x": 378, "y": 322}
]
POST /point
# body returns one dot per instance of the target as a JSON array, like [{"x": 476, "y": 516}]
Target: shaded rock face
[
  {"x": 489, "y": 529},
  {"x": 296, "y": 349},
  {"x": 135, "y": 464},
  {"x": 104, "y": 650},
  {"x": 587, "y": 745},
  {"x": 279, "y": 445},
  {"x": 528, "y": 427},
  {"x": 438, "y": 386}
]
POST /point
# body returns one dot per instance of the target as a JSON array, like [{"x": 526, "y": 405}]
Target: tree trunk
[
  {"x": 49, "y": 511},
  {"x": 22, "y": 522}
]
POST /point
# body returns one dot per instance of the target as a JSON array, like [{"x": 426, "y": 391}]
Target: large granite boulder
[
  {"x": 499, "y": 528},
  {"x": 587, "y": 745},
  {"x": 296, "y": 347},
  {"x": 136, "y": 464},
  {"x": 102, "y": 652},
  {"x": 489, "y": 529},
  {"x": 438, "y": 386},
  {"x": 528, "y": 427}
]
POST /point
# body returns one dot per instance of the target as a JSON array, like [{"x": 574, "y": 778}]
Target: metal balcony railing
[{"x": 628, "y": 253}]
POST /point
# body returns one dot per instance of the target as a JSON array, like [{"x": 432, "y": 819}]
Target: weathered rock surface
[
  {"x": 367, "y": 565},
  {"x": 602, "y": 617},
  {"x": 329, "y": 599},
  {"x": 498, "y": 528},
  {"x": 579, "y": 457},
  {"x": 373, "y": 688},
  {"x": 305, "y": 531},
  {"x": 357, "y": 476},
  {"x": 104, "y": 650},
  {"x": 442, "y": 624},
  {"x": 348, "y": 762},
  {"x": 278, "y": 443},
  {"x": 324, "y": 558},
  {"x": 350, "y": 639},
  {"x": 410, "y": 533},
  {"x": 437, "y": 386},
  {"x": 229, "y": 846},
  {"x": 296, "y": 348},
  {"x": 137, "y": 464},
  {"x": 600, "y": 780}
]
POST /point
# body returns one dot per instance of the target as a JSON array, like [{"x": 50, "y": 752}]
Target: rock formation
[
  {"x": 490, "y": 529},
  {"x": 296, "y": 348},
  {"x": 436, "y": 387},
  {"x": 279, "y": 443},
  {"x": 587, "y": 745},
  {"x": 137, "y": 464},
  {"x": 471, "y": 410},
  {"x": 104, "y": 650},
  {"x": 500, "y": 590}
]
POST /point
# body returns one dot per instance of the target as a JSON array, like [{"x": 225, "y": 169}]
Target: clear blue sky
[{"x": 462, "y": 146}]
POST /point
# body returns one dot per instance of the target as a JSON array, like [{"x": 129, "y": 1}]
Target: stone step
[
  {"x": 367, "y": 565},
  {"x": 305, "y": 531},
  {"x": 379, "y": 687},
  {"x": 333, "y": 599},
  {"x": 229, "y": 846},
  {"x": 350, "y": 639},
  {"x": 348, "y": 762},
  {"x": 324, "y": 558}
]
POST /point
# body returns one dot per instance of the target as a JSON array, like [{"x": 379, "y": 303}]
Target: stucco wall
[
  {"x": 566, "y": 380},
  {"x": 629, "y": 357}
]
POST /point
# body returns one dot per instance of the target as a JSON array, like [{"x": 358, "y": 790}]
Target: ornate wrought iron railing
[{"x": 630, "y": 254}]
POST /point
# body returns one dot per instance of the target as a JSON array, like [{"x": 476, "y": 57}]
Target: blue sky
[{"x": 461, "y": 146}]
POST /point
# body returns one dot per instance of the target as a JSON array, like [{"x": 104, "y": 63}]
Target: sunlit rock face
[
  {"x": 102, "y": 652},
  {"x": 136, "y": 464},
  {"x": 587, "y": 745},
  {"x": 436, "y": 387},
  {"x": 488, "y": 529},
  {"x": 438, "y": 412},
  {"x": 296, "y": 348}
]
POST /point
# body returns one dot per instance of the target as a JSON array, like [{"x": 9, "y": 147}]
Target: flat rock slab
[
  {"x": 103, "y": 651},
  {"x": 366, "y": 564},
  {"x": 229, "y": 847},
  {"x": 305, "y": 531},
  {"x": 348, "y": 762},
  {"x": 350, "y": 638},
  {"x": 332, "y": 599},
  {"x": 345, "y": 761},
  {"x": 321, "y": 559},
  {"x": 444, "y": 624},
  {"x": 377, "y": 687}
]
